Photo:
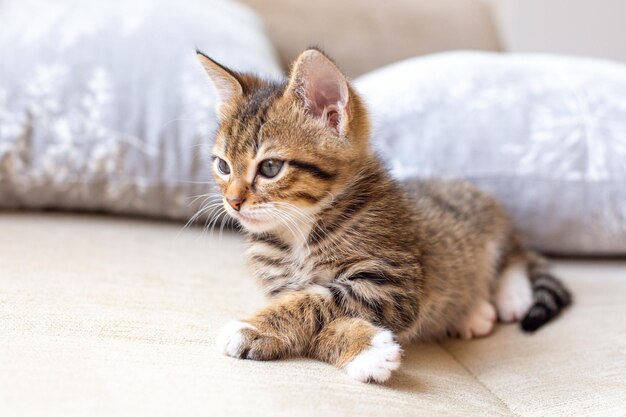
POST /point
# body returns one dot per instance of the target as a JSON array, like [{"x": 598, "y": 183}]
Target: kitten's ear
[
  {"x": 226, "y": 83},
  {"x": 321, "y": 87}
]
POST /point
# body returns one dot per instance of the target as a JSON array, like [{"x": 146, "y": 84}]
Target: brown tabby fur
[{"x": 353, "y": 251}]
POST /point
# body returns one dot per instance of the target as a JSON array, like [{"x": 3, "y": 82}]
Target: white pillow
[
  {"x": 545, "y": 134},
  {"x": 104, "y": 106}
]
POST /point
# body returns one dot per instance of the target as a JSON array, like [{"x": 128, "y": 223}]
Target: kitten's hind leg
[
  {"x": 528, "y": 292},
  {"x": 365, "y": 351},
  {"x": 479, "y": 322},
  {"x": 514, "y": 294}
]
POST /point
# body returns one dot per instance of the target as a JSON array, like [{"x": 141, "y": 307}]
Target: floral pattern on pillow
[
  {"x": 103, "y": 105},
  {"x": 546, "y": 134}
]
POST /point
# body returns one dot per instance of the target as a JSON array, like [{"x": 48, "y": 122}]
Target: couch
[
  {"x": 109, "y": 316},
  {"x": 117, "y": 316}
]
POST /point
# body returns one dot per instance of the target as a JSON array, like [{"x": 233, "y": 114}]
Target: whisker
[{"x": 196, "y": 215}]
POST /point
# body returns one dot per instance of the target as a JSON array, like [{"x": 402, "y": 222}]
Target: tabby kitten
[{"x": 353, "y": 262}]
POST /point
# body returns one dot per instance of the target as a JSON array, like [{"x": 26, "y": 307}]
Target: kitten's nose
[{"x": 235, "y": 202}]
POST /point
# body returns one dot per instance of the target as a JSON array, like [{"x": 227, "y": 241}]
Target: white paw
[
  {"x": 229, "y": 340},
  {"x": 378, "y": 361},
  {"x": 479, "y": 322},
  {"x": 514, "y": 295}
]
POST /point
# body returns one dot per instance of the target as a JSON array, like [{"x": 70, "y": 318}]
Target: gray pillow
[
  {"x": 545, "y": 134},
  {"x": 104, "y": 106}
]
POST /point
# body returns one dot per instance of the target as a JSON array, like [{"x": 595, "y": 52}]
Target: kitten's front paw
[
  {"x": 233, "y": 340},
  {"x": 377, "y": 361},
  {"x": 244, "y": 341}
]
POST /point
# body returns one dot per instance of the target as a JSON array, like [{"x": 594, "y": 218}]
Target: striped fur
[
  {"x": 345, "y": 252},
  {"x": 549, "y": 295}
]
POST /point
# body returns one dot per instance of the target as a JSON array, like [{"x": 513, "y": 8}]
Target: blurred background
[
  {"x": 103, "y": 106},
  {"x": 575, "y": 27},
  {"x": 375, "y": 33}
]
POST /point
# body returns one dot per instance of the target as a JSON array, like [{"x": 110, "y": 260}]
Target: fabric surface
[
  {"x": 545, "y": 134},
  {"x": 104, "y": 106},
  {"x": 105, "y": 316}
]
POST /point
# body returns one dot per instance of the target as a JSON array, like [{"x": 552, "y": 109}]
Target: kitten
[{"x": 354, "y": 262}]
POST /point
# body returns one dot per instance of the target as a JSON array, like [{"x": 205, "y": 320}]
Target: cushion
[
  {"x": 545, "y": 134},
  {"x": 104, "y": 106}
]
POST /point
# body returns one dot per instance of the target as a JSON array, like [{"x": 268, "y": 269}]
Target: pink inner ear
[
  {"x": 325, "y": 93},
  {"x": 325, "y": 103},
  {"x": 332, "y": 118}
]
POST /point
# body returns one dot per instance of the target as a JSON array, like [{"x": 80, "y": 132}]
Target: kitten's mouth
[
  {"x": 246, "y": 218},
  {"x": 255, "y": 219}
]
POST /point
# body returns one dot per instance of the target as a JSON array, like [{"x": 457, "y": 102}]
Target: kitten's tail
[{"x": 549, "y": 294}]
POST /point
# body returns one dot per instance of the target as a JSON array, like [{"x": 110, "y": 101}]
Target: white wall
[{"x": 576, "y": 27}]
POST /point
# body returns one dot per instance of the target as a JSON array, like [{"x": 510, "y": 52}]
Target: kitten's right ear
[
  {"x": 226, "y": 83},
  {"x": 321, "y": 87}
]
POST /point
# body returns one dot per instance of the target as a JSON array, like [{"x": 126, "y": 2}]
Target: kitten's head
[{"x": 284, "y": 149}]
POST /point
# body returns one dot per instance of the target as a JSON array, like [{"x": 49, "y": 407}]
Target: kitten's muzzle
[{"x": 235, "y": 202}]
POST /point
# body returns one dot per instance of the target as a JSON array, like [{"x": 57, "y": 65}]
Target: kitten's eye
[
  {"x": 270, "y": 167},
  {"x": 222, "y": 166}
]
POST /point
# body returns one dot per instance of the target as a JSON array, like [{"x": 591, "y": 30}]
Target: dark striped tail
[{"x": 549, "y": 295}]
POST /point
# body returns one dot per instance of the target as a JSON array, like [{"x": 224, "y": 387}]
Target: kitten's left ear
[
  {"x": 226, "y": 83},
  {"x": 321, "y": 87}
]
